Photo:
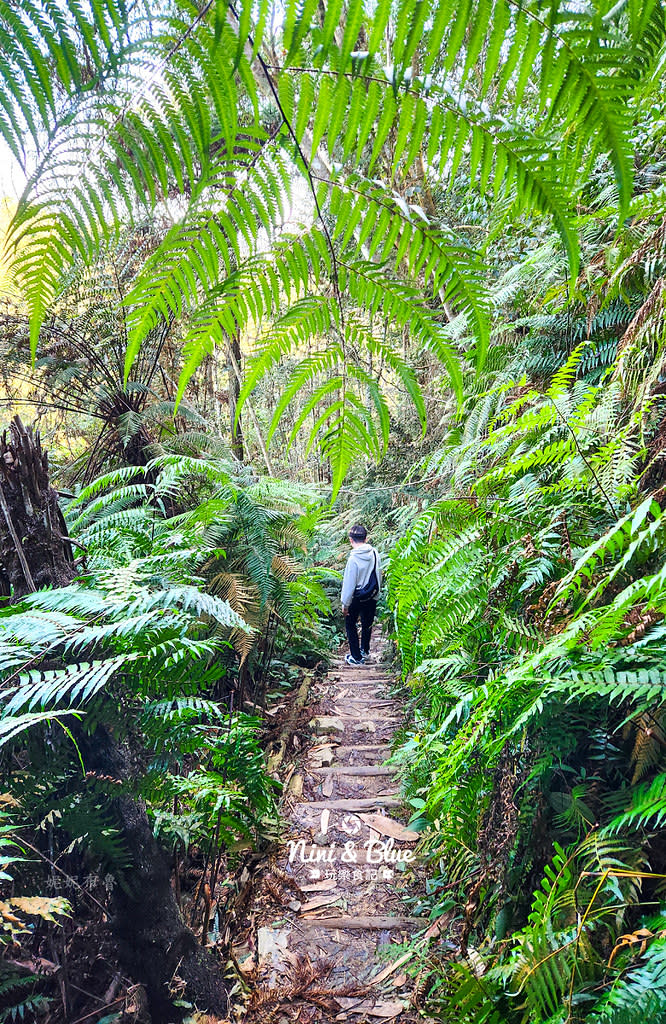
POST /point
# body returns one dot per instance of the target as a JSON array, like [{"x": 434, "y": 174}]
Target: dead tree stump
[{"x": 35, "y": 551}]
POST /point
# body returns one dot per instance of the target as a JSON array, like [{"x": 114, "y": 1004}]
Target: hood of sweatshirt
[{"x": 363, "y": 555}]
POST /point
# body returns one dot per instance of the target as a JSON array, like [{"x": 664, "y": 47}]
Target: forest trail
[{"x": 336, "y": 949}]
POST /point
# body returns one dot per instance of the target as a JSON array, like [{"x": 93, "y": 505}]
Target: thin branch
[
  {"x": 50, "y": 405},
  {"x": 24, "y": 842},
  {"x": 308, "y": 170},
  {"x": 17, "y": 543},
  {"x": 583, "y": 457}
]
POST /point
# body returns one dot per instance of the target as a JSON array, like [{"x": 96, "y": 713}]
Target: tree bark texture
[
  {"x": 155, "y": 945},
  {"x": 34, "y": 548},
  {"x": 235, "y": 356}
]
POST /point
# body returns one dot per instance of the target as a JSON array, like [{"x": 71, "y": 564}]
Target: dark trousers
[{"x": 366, "y": 610}]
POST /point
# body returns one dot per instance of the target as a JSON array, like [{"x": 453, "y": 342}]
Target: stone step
[
  {"x": 358, "y": 717},
  {"x": 362, "y": 671},
  {"x": 367, "y": 666},
  {"x": 362, "y": 804},
  {"x": 363, "y": 923},
  {"x": 369, "y": 700},
  {"x": 362, "y": 679},
  {"x": 363, "y": 769},
  {"x": 363, "y": 746},
  {"x": 366, "y": 688},
  {"x": 365, "y": 712},
  {"x": 365, "y": 691}
]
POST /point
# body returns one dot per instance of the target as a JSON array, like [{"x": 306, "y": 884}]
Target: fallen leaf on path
[
  {"x": 274, "y": 710},
  {"x": 388, "y": 971},
  {"x": 295, "y": 786},
  {"x": 438, "y": 926},
  {"x": 382, "y": 1010},
  {"x": 389, "y": 827},
  {"x": 325, "y": 885},
  {"x": 319, "y": 901}
]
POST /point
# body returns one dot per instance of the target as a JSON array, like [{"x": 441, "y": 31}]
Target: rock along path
[{"x": 332, "y": 930}]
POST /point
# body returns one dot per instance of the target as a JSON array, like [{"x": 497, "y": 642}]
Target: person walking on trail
[{"x": 361, "y": 584}]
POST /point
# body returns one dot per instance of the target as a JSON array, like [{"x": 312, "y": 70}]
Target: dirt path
[{"x": 331, "y": 929}]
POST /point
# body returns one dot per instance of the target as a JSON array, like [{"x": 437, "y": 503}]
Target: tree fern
[{"x": 152, "y": 126}]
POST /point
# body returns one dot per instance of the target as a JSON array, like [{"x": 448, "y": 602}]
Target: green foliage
[
  {"x": 527, "y": 601},
  {"x": 388, "y": 205},
  {"x": 19, "y": 993},
  {"x": 26, "y": 1005},
  {"x": 131, "y": 620},
  {"x": 637, "y": 996},
  {"x": 184, "y": 115},
  {"x": 169, "y": 631}
]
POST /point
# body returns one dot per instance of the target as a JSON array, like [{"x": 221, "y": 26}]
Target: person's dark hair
[{"x": 358, "y": 532}]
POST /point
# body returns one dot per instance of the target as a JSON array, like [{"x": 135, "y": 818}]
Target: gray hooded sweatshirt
[{"x": 359, "y": 570}]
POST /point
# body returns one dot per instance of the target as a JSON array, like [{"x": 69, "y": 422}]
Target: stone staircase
[{"x": 350, "y": 859}]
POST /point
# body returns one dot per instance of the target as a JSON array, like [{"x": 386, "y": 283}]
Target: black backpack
[{"x": 369, "y": 590}]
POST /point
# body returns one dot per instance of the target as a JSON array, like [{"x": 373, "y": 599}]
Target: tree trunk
[
  {"x": 34, "y": 548},
  {"x": 253, "y": 416},
  {"x": 235, "y": 357},
  {"x": 155, "y": 945}
]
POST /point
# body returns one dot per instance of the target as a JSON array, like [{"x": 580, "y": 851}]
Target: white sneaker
[{"x": 352, "y": 661}]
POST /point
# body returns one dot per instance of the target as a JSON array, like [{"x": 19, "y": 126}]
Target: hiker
[{"x": 360, "y": 588}]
